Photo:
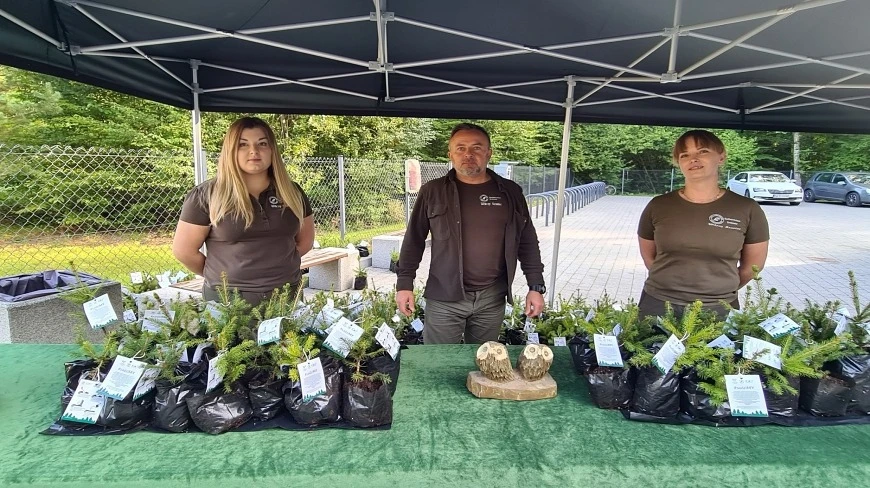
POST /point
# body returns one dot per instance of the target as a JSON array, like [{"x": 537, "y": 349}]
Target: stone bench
[
  {"x": 384, "y": 244},
  {"x": 46, "y": 320}
]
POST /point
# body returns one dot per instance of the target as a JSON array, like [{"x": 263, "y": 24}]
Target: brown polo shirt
[
  {"x": 257, "y": 259},
  {"x": 698, "y": 246}
]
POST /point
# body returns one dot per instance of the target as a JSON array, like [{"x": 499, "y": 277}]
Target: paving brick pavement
[{"x": 813, "y": 245}]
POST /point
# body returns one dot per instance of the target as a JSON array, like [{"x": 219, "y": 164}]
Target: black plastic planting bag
[
  {"x": 117, "y": 416},
  {"x": 611, "y": 387},
  {"x": 655, "y": 393},
  {"x": 217, "y": 412},
  {"x": 367, "y": 404},
  {"x": 582, "y": 355},
  {"x": 696, "y": 404},
  {"x": 267, "y": 396},
  {"x": 825, "y": 397},
  {"x": 170, "y": 401},
  {"x": 411, "y": 337},
  {"x": 322, "y": 408},
  {"x": 785, "y": 405},
  {"x": 856, "y": 369},
  {"x": 385, "y": 364},
  {"x": 514, "y": 337}
]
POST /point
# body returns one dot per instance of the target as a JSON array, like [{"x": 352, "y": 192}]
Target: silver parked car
[{"x": 852, "y": 188}]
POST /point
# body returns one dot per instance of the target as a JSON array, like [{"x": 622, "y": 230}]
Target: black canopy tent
[{"x": 743, "y": 64}]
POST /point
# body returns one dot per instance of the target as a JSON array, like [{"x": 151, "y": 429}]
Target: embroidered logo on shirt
[
  {"x": 486, "y": 200},
  {"x": 717, "y": 220},
  {"x": 274, "y": 202}
]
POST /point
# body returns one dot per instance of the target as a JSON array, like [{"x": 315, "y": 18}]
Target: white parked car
[{"x": 766, "y": 186}]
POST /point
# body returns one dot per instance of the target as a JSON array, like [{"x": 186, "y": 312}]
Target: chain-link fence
[
  {"x": 110, "y": 212},
  {"x": 655, "y": 182}
]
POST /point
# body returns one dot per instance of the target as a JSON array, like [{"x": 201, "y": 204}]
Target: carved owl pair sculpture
[{"x": 493, "y": 361}]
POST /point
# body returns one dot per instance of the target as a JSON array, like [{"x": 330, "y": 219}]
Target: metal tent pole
[
  {"x": 560, "y": 199},
  {"x": 199, "y": 170}
]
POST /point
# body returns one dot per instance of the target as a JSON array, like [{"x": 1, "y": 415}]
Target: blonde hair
[{"x": 229, "y": 195}]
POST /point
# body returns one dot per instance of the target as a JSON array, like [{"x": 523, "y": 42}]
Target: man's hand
[
  {"x": 405, "y": 302},
  {"x": 534, "y": 304}
]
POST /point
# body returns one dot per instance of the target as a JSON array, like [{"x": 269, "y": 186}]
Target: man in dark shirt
[{"x": 480, "y": 227}]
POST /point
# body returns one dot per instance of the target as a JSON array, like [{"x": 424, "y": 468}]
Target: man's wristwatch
[{"x": 538, "y": 288}]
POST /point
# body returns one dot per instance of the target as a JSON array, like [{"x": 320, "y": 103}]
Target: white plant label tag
[
  {"x": 122, "y": 378},
  {"x": 721, "y": 342},
  {"x": 669, "y": 353},
  {"x": 311, "y": 379},
  {"x": 99, "y": 312},
  {"x": 343, "y": 336},
  {"x": 387, "y": 338},
  {"x": 607, "y": 351},
  {"x": 197, "y": 353},
  {"x": 153, "y": 319},
  {"x": 301, "y": 311},
  {"x": 617, "y": 330},
  {"x": 146, "y": 382},
  {"x": 779, "y": 325},
  {"x": 529, "y": 327},
  {"x": 590, "y": 315},
  {"x": 417, "y": 325},
  {"x": 163, "y": 280},
  {"x": 396, "y": 318},
  {"x": 327, "y": 317},
  {"x": 560, "y": 342},
  {"x": 730, "y": 318},
  {"x": 86, "y": 404},
  {"x": 269, "y": 331},
  {"x": 533, "y": 338},
  {"x": 136, "y": 278},
  {"x": 214, "y": 376},
  {"x": 213, "y": 309},
  {"x": 330, "y": 303},
  {"x": 762, "y": 351},
  {"x": 508, "y": 309},
  {"x": 745, "y": 395},
  {"x": 178, "y": 277},
  {"x": 841, "y": 317},
  {"x": 129, "y": 316}
]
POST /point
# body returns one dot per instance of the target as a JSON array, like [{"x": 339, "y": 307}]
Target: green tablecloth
[{"x": 441, "y": 436}]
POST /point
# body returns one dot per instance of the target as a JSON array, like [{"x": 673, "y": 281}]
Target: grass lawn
[{"x": 117, "y": 255}]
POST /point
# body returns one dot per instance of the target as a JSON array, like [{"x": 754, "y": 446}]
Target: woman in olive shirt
[
  {"x": 700, "y": 242},
  {"x": 255, "y": 222}
]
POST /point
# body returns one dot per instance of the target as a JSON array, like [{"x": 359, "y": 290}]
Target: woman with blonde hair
[
  {"x": 700, "y": 242},
  {"x": 255, "y": 221}
]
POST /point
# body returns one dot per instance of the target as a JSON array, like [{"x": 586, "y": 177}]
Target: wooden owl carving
[
  {"x": 493, "y": 360},
  {"x": 534, "y": 361}
]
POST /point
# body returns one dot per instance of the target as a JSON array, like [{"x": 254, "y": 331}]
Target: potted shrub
[
  {"x": 656, "y": 393},
  {"x": 367, "y": 399},
  {"x": 360, "y": 281},
  {"x": 296, "y": 348},
  {"x": 394, "y": 260}
]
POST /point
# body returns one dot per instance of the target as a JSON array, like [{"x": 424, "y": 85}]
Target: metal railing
[{"x": 576, "y": 198}]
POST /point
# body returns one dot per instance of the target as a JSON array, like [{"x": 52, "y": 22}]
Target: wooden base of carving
[{"x": 515, "y": 389}]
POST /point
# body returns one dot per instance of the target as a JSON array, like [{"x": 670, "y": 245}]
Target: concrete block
[
  {"x": 46, "y": 320},
  {"x": 382, "y": 246},
  {"x": 335, "y": 275},
  {"x": 365, "y": 262}
]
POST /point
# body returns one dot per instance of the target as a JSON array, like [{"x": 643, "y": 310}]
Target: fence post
[
  {"x": 672, "y": 179},
  {"x": 341, "y": 202},
  {"x": 622, "y": 190},
  {"x": 529, "y": 190}
]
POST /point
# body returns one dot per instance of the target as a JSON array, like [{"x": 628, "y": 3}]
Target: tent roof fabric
[{"x": 750, "y": 64}]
